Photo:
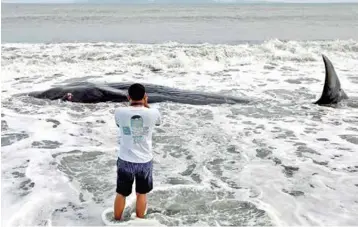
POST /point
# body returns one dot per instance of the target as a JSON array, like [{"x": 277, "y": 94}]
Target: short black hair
[{"x": 136, "y": 92}]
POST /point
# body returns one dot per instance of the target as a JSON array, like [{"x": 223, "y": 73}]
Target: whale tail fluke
[{"x": 332, "y": 91}]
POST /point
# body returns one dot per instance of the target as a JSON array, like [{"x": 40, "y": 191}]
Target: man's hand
[{"x": 146, "y": 101}]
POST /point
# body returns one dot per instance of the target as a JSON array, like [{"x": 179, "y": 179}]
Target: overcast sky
[{"x": 173, "y": 1}]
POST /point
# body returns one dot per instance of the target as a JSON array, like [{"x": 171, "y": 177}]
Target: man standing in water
[{"x": 135, "y": 159}]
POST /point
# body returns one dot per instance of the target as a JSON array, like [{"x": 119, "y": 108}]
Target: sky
[{"x": 175, "y": 1}]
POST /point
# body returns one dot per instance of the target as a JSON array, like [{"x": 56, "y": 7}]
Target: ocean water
[
  {"x": 277, "y": 161},
  {"x": 229, "y": 24}
]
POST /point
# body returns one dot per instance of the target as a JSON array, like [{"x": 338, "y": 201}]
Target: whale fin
[{"x": 332, "y": 91}]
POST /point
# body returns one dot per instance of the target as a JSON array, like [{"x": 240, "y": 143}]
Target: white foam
[{"x": 281, "y": 116}]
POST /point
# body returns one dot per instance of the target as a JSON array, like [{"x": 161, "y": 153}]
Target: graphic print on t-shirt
[{"x": 137, "y": 128}]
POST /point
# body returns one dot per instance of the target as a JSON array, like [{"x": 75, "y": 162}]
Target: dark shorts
[{"x": 127, "y": 172}]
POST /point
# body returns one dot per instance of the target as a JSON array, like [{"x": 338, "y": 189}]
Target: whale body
[{"x": 86, "y": 92}]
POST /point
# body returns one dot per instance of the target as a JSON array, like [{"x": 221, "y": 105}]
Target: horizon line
[{"x": 182, "y": 3}]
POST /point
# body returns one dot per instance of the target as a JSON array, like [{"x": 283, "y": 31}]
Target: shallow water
[{"x": 279, "y": 160}]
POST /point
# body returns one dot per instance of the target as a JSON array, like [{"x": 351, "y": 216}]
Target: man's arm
[
  {"x": 116, "y": 117},
  {"x": 158, "y": 119},
  {"x": 116, "y": 120}
]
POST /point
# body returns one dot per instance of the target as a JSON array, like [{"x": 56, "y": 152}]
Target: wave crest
[{"x": 157, "y": 57}]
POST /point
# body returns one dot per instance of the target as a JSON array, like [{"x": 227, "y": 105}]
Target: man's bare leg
[
  {"x": 141, "y": 205},
  {"x": 119, "y": 204}
]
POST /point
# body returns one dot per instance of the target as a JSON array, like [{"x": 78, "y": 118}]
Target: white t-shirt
[{"x": 136, "y": 126}]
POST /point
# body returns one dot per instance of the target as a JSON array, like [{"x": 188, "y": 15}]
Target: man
[{"x": 136, "y": 123}]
